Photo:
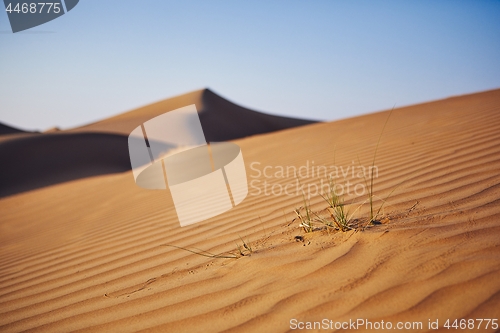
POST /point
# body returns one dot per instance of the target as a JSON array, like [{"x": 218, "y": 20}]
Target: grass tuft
[
  {"x": 306, "y": 219},
  {"x": 340, "y": 217},
  {"x": 245, "y": 249}
]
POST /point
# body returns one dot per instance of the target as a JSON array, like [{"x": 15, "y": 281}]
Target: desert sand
[{"x": 87, "y": 251}]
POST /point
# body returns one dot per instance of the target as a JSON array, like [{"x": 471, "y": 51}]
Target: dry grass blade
[
  {"x": 206, "y": 253},
  {"x": 373, "y": 215},
  {"x": 306, "y": 221}
]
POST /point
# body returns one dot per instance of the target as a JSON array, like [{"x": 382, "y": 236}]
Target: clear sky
[{"x": 315, "y": 59}]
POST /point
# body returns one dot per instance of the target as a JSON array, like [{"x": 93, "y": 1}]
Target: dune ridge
[
  {"x": 221, "y": 119},
  {"x": 90, "y": 254}
]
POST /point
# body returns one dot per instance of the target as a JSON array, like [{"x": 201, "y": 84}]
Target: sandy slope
[{"x": 88, "y": 255}]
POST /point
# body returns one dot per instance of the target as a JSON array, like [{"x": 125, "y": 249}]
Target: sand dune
[
  {"x": 90, "y": 254},
  {"x": 6, "y": 129},
  {"x": 39, "y": 160}
]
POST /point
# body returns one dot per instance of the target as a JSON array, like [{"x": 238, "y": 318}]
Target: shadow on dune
[
  {"x": 223, "y": 120},
  {"x": 6, "y": 129},
  {"x": 41, "y": 160}
]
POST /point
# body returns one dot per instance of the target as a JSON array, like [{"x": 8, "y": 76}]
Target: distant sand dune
[
  {"x": 6, "y": 129},
  {"x": 34, "y": 161},
  {"x": 89, "y": 254}
]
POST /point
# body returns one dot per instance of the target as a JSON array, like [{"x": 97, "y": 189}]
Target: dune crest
[{"x": 221, "y": 119}]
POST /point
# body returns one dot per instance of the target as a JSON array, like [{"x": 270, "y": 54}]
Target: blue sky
[{"x": 322, "y": 60}]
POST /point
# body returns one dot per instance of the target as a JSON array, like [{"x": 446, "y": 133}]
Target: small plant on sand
[
  {"x": 245, "y": 249},
  {"x": 340, "y": 218},
  {"x": 338, "y": 213},
  {"x": 306, "y": 219}
]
